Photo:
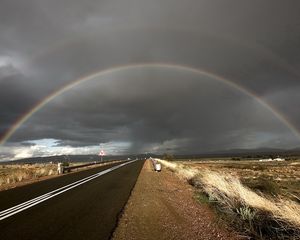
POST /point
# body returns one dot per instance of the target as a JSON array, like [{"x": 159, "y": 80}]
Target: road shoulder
[{"x": 162, "y": 206}]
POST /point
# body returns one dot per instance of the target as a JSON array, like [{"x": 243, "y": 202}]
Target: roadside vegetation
[
  {"x": 270, "y": 178},
  {"x": 14, "y": 173},
  {"x": 247, "y": 196}
]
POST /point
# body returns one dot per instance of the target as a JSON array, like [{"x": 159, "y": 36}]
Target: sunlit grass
[
  {"x": 228, "y": 191},
  {"x": 11, "y": 174},
  {"x": 14, "y": 173}
]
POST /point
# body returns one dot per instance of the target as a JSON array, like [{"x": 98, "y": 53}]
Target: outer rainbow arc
[{"x": 83, "y": 79}]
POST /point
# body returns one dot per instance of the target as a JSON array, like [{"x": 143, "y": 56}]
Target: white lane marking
[
  {"x": 23, "y": 206},
  {"x": 42, "y": 196}
]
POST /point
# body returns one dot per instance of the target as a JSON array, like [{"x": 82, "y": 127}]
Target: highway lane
[
  {"x": 87, "y": 211},
  {"x": 15, "y": 196}
]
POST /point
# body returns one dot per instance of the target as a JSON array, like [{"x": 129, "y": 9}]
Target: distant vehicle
[{"x": 157, "y": 167}]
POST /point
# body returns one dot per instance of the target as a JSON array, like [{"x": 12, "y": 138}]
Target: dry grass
[
  {"x": 271, "y": 178},
  {"x": 228, "y": 191},
  {"x": 11, "y": 174}
]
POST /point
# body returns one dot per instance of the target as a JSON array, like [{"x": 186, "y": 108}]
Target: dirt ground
[{"x": 162, "y": 206}]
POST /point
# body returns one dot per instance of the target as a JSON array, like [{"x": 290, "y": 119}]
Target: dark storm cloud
[
  {"x": 157, "y": 109},
  {"x": 47, "y": 44}
]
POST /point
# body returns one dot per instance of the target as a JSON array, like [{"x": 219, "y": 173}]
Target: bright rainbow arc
[{"x": 86, "y": 78}]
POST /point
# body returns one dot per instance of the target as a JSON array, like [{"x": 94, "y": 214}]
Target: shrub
[
  {"x": 168, "y": 157},
  {"x": 264, "y": 185}
]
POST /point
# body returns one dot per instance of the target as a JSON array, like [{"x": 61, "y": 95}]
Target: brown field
[
  {"x": 271, "y": 178},
  {"x": 14, "y": 174},
  {"x": 259, "y": 199}
]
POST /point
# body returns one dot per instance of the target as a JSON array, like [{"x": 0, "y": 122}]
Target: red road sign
[{"x": 102, "y": 153}]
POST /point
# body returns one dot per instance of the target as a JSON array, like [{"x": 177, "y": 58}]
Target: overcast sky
[{"x": 46, "y": 44}]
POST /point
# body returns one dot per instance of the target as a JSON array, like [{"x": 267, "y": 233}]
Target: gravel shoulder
[{"x": 162, "y": 206}]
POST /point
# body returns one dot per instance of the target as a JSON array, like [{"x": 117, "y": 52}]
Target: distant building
[
  {"x": 266, "y": 160},
  {"x": 271, "y": 160}
]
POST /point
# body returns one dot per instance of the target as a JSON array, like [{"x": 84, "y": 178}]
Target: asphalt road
[{"x": 88, "y": 209}]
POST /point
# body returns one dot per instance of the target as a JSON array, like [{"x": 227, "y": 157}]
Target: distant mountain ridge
[{"x": 246, "y": 152}]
